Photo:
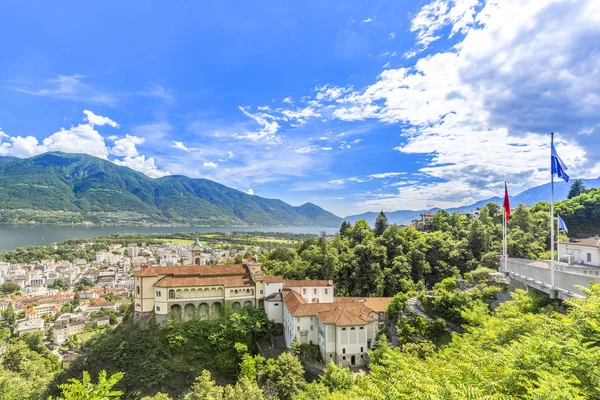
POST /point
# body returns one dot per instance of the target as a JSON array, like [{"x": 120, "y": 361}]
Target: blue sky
[{"x": 352, "y": 105}]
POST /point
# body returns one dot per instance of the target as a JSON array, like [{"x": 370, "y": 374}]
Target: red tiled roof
[
  {"x": 377, "y": 304},
  {"x": 189, "y": 281},
  {"x": 307, "y": 283},
  {"x": 269, "y": 278},
  {"x": 200, "y": 270},
  {"x": 341, "y": 316},
  {"x": 298, "y": 306}
]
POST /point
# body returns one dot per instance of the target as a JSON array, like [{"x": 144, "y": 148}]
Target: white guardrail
[{"x": 566, "y": 277}]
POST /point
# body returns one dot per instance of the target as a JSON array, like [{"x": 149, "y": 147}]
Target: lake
[{"x": 13, "y": 236}]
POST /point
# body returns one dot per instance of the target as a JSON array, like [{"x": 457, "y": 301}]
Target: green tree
[
  {"x": 205, "y": 388},
  {"x": 381, "y": 224},
  {"x": 157, "y": 396},
  {"x": 345, "y": 227},
  {"x": 577, "y": 188},
  {"x": 8, "y": 288},
  {"x": 337, "y": 377},
  {"x": 86, "y": 390},
  {"x": 284, "y": 377}
]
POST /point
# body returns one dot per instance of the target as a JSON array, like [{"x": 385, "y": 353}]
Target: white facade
[
  {"x": 314, "y": 294},
  {"x": 30, "y": 326},
  {"x": 583, "y": 252},
  {"x": 63, "y": 330}
]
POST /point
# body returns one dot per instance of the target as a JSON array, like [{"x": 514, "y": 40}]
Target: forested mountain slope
[{"x": 81, "y": 183}]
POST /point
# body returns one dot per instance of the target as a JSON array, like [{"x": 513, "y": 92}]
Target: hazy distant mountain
[
  {"x": 527, "y": 197},
  {"x": 83, "y": 183}
]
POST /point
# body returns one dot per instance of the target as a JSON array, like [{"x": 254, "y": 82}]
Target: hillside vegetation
[{"x": 75, "y": 187}]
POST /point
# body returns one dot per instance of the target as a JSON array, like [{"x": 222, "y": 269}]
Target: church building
[{"x": 344, "y": 328}]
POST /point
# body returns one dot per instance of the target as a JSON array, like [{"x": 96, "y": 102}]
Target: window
[
  {"x": 315, "y": 290},
  {"x": 236, "y": 291},
  {"x": 589, "y": 257},
  {"x": 247, "y": 290},
  {"x": 361, "y": 356},
  {"x": 362, "y": 328},
  {"x": 298, "y": 319},
  {"x": 157, "y": 308},
  {"x": 325, "y": 290},
  {"x": 261, "y": 292},
  {"x": 343, "y": 351},
  {"x": 331, "y": 355},
  {"x": 157, "y": 293},
  {"x": 343, "y": 329},
  {"x": 343, "y": 358},
  {"x": 171, "y": 294},
  {"x": 276, "y": 304},
  {"x": 311, "y": 327},
  {"x": 298, "y": 329},
  {"x": 352, "y": 329},
  {"x": 304, "y": 291},
  {"x": 361, "y": 349},
  {"x": 137, "y": 289}
]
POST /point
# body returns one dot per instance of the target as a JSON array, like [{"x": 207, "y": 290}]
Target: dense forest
[{"x": 529, "y": 347}]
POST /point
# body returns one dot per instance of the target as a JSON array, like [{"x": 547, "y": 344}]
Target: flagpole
[
  {"x": 505, "y": 250},
  {"x": 558, "y": 244},
  {"x": 552, "y": 219}
]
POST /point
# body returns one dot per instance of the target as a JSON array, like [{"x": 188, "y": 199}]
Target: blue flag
[
  {"x": 557, "y": 165},
  {"x": 561, "y": 224}
]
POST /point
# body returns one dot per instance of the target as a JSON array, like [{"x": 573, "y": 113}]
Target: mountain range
[
  {"x": 83, "y": 185},
  {"x": 81, "y": 188},
  {"x": 527, "y": 197}
]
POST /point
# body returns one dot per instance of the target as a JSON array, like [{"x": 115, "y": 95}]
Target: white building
[
  {"x": 344, "y": 331},
  {"x": 581, "y": 251},
  {"x": 316, "y": 291},
  {"x": 30, "y": 326},
  {"x": 65, "y": 327}
]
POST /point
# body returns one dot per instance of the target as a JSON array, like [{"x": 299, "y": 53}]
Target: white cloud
[
  {"x": 352, "y": 179},
  {"x": 98, "y": 120},
  {"x": 158, "y": 91},
  {"x": 440, "y": 13},
  {"x": 69, "y": 87},
  {"x": 180, "y": 146},
  {"x": 126, "y": 146},
  {"x": 288, "y": 100},
  {"x": 82, "y": 138},
  {"x": 143, "y": 165},
  {"x": 250, "y": 191},
  {"x": 230, "y": 154},
  {"x": 209, "y": 164},
  {"x": 267, "y": 132},
  {"x": 480, "y": 112},
  {"x": 366, "y": 21},
  {"x": 392, "y": 35},
  {"x": 312, "y": 149},
  {"x": 300, "y": 115},
  {"x": 20, "y": 146},
  {"x": 387, "y": 175},
  {"x": 345, "y": 145}
]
